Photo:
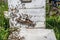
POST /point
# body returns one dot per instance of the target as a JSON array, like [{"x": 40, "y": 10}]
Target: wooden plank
[{"x": 37, "y": 34}]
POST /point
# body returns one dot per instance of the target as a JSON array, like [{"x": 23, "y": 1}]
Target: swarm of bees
[
  {"x": 25, "y": 20},
  {"x": 22, "y": 18},
  {"x": 18, "y": 19}
]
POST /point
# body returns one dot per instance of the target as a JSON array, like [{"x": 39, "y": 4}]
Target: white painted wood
[
  {"x": 40, "y": 25},
  {"x": 37, "y": 34},
  {"x": 35, "y": 9},
  {"x": 13, "y": 3},
  {"x": 32, "y": 4},
  {"x": 35, "y": 3},
  {"x": 37, "y": 14}
]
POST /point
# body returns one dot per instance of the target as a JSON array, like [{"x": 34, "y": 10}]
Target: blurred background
[{"x": 53, "y": 16}]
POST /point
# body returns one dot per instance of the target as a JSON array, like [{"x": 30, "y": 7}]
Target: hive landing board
[{"x": 35, "y": 8}]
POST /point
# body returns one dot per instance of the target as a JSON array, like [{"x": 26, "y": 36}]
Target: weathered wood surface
[
  {"x": 36, "y": 14},
  {"x": 37, "y": 34},
  {"x": 33, "y": 8},
  {"x": 33, "y": 4}
]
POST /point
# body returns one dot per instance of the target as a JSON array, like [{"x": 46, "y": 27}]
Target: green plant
[
  {"x": 53, "y": 22},
  {"x": 4, "y": 23},
  {"x": 4, "y": 33}
]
